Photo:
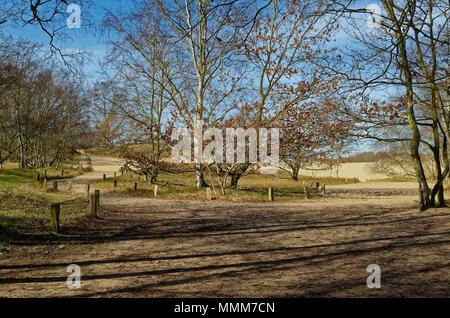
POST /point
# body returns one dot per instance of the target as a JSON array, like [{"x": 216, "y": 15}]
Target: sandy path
[
  {"x": 101, "y": 165},
  {"x": 319, "y": 247}
]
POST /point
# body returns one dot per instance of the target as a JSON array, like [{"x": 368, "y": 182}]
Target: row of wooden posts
[
  {"x": 307, "y": 191},
  {"x": 55, "y": 210},
  {"x": 38, "y": 177},
  {"x": 135, "y": 186},
  {"x": 45, "y": 182},
  {"x": 55, "y": 183}
]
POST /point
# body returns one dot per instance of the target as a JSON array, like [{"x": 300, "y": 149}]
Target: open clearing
[{"x": 144, "y": 247}]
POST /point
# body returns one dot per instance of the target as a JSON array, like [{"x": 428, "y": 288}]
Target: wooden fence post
[
  {"x": 38, "y": 177},
  {"x": 93, "y": 205},
  {"x": 121, "y": 171},
  {"x": 307, "y": 193},
  {"x": 88, "y": 188},
  {"x": 323, "y": 189},
  {"x": 115, "y": 183},
  {"x": 104, "y": 177},
  {"x": 317, "y": 186},
  {"x": 62, "y": 173},
  {"x": 208, "y": 193},
  {"x": 97, "y": 197},
  {"x": 55, "y": 209},
  {"x": 55, "y": 185},
  {"x": 271, "y": 194},
  {"x": 135, "y": 186},
  {"x": 155, "y": 190},
  {"x": 115, "y": 175}
]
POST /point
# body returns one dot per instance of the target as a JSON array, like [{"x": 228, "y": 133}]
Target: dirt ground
[{"x": 321, "y": 247}]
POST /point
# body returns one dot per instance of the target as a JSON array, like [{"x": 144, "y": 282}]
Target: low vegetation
[
  {"x": 24, "y": 203},
  {"x": 252, "y": 188}
]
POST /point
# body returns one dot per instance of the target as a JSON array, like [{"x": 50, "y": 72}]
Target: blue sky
[{"x": 86, "y": 39}]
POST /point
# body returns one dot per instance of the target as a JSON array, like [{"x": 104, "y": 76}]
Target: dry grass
[
  {"x": 72, "y": 168},
  {"x": 24, "y": 202},
  {"x": 24, "y": 207},
  {"x": 103, "y": 152},
  {"x": 252, "y": 188}
]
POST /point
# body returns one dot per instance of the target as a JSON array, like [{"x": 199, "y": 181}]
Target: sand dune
[{"x": 360, "y": 170}]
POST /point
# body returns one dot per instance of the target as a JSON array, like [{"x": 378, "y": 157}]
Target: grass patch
[
  {"x": 10, "y": 178},
  {"x": 74, "y": 167},
  {"x": 252, "y": 188},
  {"x": 65, "y": 172},
  {"x": 29, "y": 213},
  {"x": 103, "y": 152},
  {"x": 24, "y": 205}
]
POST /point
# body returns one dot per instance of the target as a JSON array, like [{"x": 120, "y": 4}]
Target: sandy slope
[{"x": 360, "y": 170}]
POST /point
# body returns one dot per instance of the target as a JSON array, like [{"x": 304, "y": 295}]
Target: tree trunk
[
  {"x": 441, "y": 199},
  {"x": 424, "y": 191},
  {"x": 295, "y": 173},
  {"x": 438, "y": 188},
  {"x": 400, "y": 36},
  {"x": 199, "y": 178},
  {"x": 234, "y": 180}
]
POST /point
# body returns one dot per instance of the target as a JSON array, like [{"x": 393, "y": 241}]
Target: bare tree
[
  {"x": 399, "y": 55},
  {"x": 208, "y": 32},
  {"x": 44, "y": 110}
]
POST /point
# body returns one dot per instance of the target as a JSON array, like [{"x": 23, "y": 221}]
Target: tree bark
[
  {"x": 234, "y": 180},
  {"x": 400, "y": 35},
  {"x": 295, "y": 173},
  {"x": 199, "y": 177}
]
